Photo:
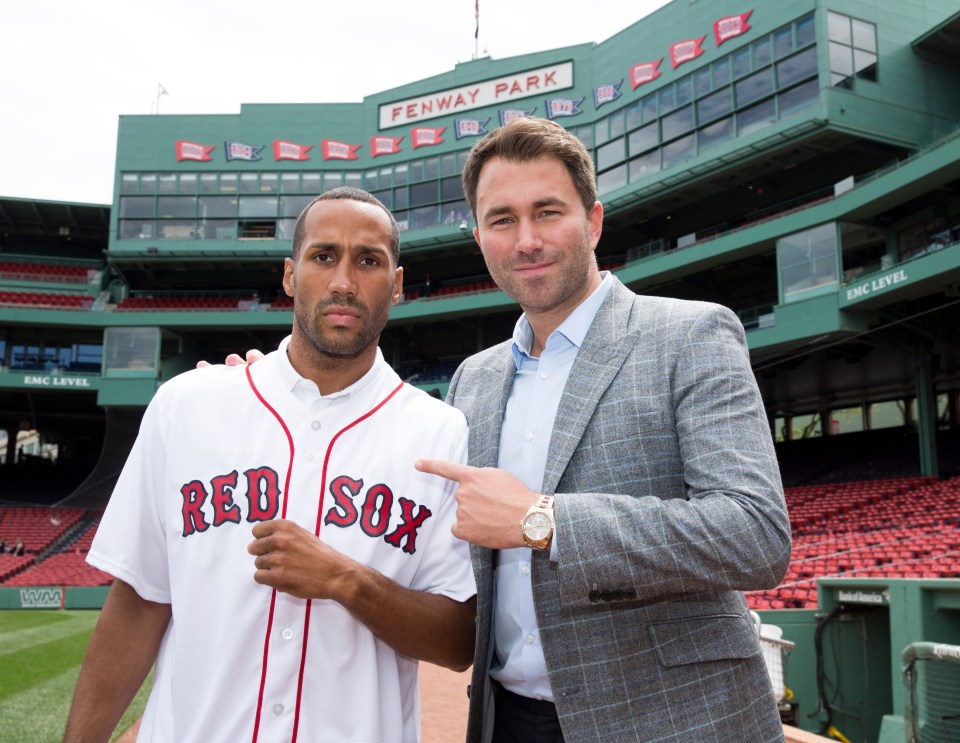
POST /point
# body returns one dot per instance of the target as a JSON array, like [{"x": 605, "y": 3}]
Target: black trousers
[{"x": 519, "y": 719}]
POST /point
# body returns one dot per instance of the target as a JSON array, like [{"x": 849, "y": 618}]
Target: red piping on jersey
[
  {"x": 316, "y": 531},
  {"x": 273, "y": 595}
]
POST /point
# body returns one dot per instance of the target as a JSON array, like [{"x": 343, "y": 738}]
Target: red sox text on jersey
[{"x": 262, "y": 497}]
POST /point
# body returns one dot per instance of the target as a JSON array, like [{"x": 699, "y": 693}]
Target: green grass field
[{"x": 40, "y": 656}]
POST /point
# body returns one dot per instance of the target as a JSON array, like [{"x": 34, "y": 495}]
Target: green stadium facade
[{"x": 797, "y": 161}]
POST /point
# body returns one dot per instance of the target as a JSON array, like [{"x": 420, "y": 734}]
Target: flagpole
[
  {"x": 160, "y": 91},
  {"x": 476, "y": 33}
]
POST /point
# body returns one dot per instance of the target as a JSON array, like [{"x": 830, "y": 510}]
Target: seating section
[
  {"x": 44, "y": 300},
  {"x": 37, "y": 527},
  {"x": 902, "y": 528},
  {"x": 181, "y": 303},
  {"x": 895, "y": 528},
  {"x": 21, "y": 271}
]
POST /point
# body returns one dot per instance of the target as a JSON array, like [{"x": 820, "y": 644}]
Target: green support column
[{"x": 926, "y": 415}]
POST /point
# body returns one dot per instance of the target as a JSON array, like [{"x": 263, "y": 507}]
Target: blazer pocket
[{"x": 699, "y": 639}]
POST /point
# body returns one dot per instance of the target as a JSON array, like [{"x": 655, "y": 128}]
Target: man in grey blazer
[{"x": 612, "y": 610}]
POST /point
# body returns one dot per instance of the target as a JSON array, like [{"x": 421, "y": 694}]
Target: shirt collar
[
  {"x": 292, "y": 380},
  {"x": 574, "y": 328}
]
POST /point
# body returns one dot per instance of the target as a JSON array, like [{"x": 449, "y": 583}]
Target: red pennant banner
[
  {"x": 425, "y": 136},
  {"x": 684, "y": 51},
  {"x": 283, "y": 150},
  {"x": 644, "y": 73},
  {"x": 384, "y": 145},
  {"x": 193, "y": 151},
  {"x": 334, "y": 150},
  {"x": 730, "y": 27}
]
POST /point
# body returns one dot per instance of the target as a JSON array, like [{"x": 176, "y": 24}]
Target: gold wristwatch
[{"x": 537, "y": 526}]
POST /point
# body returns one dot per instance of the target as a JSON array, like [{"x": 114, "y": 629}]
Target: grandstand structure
[{"x": 798, "y": 162}]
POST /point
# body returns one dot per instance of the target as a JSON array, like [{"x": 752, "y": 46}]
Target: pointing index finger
[{"x": 450, "y": 470}]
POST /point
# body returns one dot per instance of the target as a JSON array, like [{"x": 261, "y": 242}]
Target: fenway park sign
[{"x": 477, "y": 95}]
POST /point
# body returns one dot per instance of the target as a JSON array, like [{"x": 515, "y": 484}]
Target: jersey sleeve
[
  {"x": 445, "y": 568},
  {"x": 130, "y": 543}
]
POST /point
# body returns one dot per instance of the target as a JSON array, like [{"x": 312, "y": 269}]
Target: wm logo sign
[{"x": 41, "y": 598}]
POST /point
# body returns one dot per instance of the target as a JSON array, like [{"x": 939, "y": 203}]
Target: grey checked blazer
[{"x": 668, "y": 505}]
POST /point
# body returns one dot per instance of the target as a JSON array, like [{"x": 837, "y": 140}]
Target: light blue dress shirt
[{"x": 524, "y": 441}]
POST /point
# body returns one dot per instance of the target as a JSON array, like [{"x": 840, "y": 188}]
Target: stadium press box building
[{"x": 797, "y": 161}]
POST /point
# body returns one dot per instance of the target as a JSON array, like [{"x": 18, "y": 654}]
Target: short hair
[
  {"x": 526, "y": 139},
  {"x": 348, "y": 193}
]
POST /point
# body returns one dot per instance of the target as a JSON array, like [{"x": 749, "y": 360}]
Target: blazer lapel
[
  {"x": 606, "y": 345},
  {"x": 487, "y": 410}
]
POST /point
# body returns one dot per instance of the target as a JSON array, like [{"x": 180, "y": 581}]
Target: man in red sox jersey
[{"x": 312, "y": 630}]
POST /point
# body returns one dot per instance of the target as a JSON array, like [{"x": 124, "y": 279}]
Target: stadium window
[
  {"x": 451, "y": 189},
  {"x": 424, "y": 217},
  {"x": 431, "y": 168},
  {"x": 720, "y": 70},
  {"x": 385, "y": 179},
  {"x": 312, "y": 182},
  {"x": 269, "y": 183},
  {"x": 168, "y": 183},
  {"x": 422, "y": 194},
  {"x": 218, "y": 206},
  {"x": 290, "y": 183},
  {"x": 755, "y": 87},
  {"x": 187, "y": 183},
  {"x": 853, "y": 49},
  {"x": 715, "y": 134},
  {"x": 228, "y": 183},
  {"x": 208, "y": 183},
  {"x": 217, "y": 229},
  {"x": 667, "y": 99},
  {"x": 715, "y": 105},
  {"x": 762, "y": 53},
  {"x": 610, "y": 154},
  {"x": 291, "y": 206},
  {"x": 756, "y": 117},
  {"x": 136, "y": 229},
  {"x": 806, "y": 31},
  {"x": 129, "y": 183},
  {"x": 806, "y": 427},
  {"x": 148, "y": 183},
  {"x": 808, "y": 262},
  {"x": 783, "y": 42},
  {"x": 584, "y": 134},
  {"x": 649, "y": 105},
  {"x": 136, "y": 206},
  {"x": 644, "y": 165},
  {"x": 601, "y": 132},
  {"x": 176, "y": 229},
  {"x": 634, "y": 114},
  {"x": 286, "y": 228},
  {"x": 248, "y": 183},
  {"x": 684, "y": 90},
  {"x": 369, "y": 180},
  {"x": 169, "y": 207},
  {"x": 799, "y": 67},
  {"x": 616, "y": 125},
  {"x": 448, "y": 165},
  {"x": 351, "y": 179},
  {"x": 741, "y": 62},
  {"x": 400, "y": 173},
  {"x": 889, "y": 414},
  {"x": 612, "y": 179},
  {"x": 643, "y": 139},
  {"x": 257, "y": 229},
  {"x": 679, "y": 150},
  {"x": 385, "y": 197},
  {"x": 258, "y": 206},
  {"x": 401, "y": 199},
  {"x": 846, "y": 420},
  {"x": 677, "y": 123},
  {"x": 701, "y": 82}
]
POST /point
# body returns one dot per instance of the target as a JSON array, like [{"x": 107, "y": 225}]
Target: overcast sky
[{"x": 69, "y": 68}]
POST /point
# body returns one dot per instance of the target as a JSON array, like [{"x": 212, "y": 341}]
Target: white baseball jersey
[{"x": 221, "y": 449}]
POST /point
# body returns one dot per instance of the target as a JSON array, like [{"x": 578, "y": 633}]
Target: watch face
[{"x": 537, "y": 526}]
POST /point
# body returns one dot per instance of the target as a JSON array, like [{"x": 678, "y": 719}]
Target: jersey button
[
  {"x": 278, "y": 709},
  {"x": 287, "y": 633},
  {"x": 315, "y": 425}
]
